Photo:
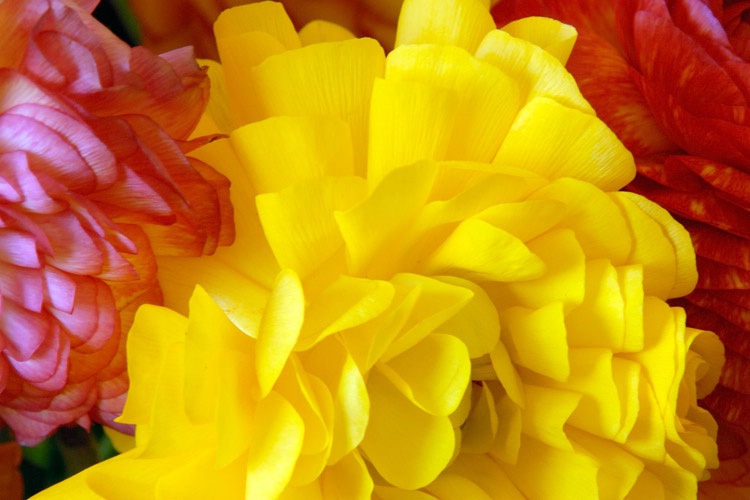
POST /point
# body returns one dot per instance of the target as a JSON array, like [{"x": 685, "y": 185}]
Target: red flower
[
  {"x": 94, "y": 182},
  {"x": 672, "y": 79}
]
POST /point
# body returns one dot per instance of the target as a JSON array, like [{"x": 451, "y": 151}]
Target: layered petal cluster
[
  {"x": 672, "y": 79},
  {"x": 436, "y": 289},
  {"x": 94, "y": 182}
]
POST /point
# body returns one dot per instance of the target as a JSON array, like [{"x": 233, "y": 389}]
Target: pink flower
[{"x": 94, "y": 182}]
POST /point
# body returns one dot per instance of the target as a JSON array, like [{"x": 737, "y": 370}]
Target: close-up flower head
[
  {"x": 436, "y": 289},
  {"x": 94, "y": 183},
  {"x": 672, "y": 80}
]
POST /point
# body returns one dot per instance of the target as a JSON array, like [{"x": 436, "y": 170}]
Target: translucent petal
[
  {"x": 277, "y": 435},
  {"x": 487, "y": 98},
  {"x": 576, "y": 144},
  {"x": 433, "y": 375},
  {"x": 409, "y": 122},
  {"x": 279, "y": 329},
  {"x": 478, "y": 251},
  {"x": 536, "y": 71},
  {"x": 407, "y": 446},
  {"x": 299, "y": 221},
  {"x": 537, "y": 339},
  {"x": 549, "y": 34},
  {"x": 462, "y": 23},
  {"x": 298, "y": 148},
  {"x": 378, "y": 224},
  {"x": 332, "y": 80}
]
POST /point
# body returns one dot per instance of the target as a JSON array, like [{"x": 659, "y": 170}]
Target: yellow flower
[{"x": 435, "y": 290}]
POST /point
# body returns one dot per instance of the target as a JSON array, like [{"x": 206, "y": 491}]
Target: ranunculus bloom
[
  {"x": 672, "y": 79},
  {"x": 436, "y": 289},
  {"x": 93, "y": 183}
]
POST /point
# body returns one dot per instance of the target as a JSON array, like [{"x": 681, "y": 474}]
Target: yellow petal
[
  {"x": 537, "y": 339},
  {"x": 378, "y": 224},
  {"x": 348, "y": 478},
  {"x": 551, "y": 35},
  {"x": 597, "y": 221},
  {"x": 487, "y": 98},
  {"x": 686, "y": 275},
  {"x": 480, "y": 428},
  {"x": 331, "y": 80},
  {"x": 237, "y": 401},
  {"x": 279, "y": 329},
  {"x": 478, "y": 251},
  {"x": 346, "y": 303},
  {"x": 477, "y": 324},
  {"x": 651, "y": 248},
  {"x": 524, "y": 219},
  {"x": 507, "y": 442},
  {"x": 320, "y": 31},
  {"x": 434, "y": 374},
  {"x": 208, "y": 337},
  {"x": 537, "y": 72},
  {"x": 409, "y": 122},
  {"x": 619, "y": 469},
  {"x": 547, "y": 472},
  {"x": 576, "y": 144},
  {"x": 277, "y": 435},
  {"x": 407, "y": 446},
  {"x": 487, "y": 474},
  {"x": 546, "y": 413},
  {"x": 507, "y": 374},
  {"x": 297, "y": 147},
  {"x": 462, "y": 23},
  {"x": 266, "y": 17},
  {"x": 563, "y": 280},
  {"x": 146, "y": 353},
  {"x": 299, "y": 221},
  {"x": 600, "y": 320},
  {"x": 330, "y": 361},
  {"x": 456, "y": 486}
]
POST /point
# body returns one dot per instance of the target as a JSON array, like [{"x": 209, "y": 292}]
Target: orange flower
[
  {"x": 94, "y": 182},
  {"x": 672, "y": 79},
  {"x": 11, "y": 482}
]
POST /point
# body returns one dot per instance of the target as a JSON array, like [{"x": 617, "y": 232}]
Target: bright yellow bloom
[{"x": 435, "y": 291}]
